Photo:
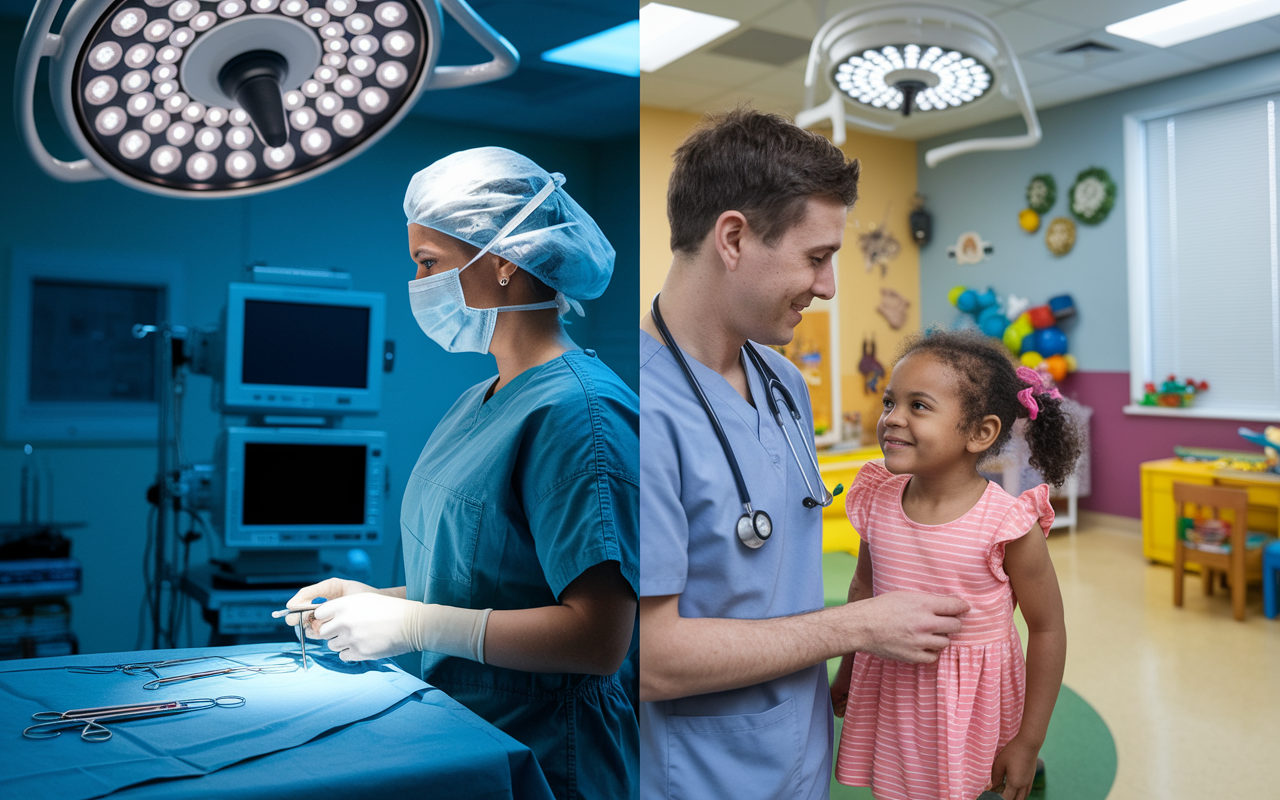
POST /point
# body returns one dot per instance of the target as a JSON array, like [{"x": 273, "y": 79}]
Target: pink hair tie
[{"x": 1036, "y": 388}]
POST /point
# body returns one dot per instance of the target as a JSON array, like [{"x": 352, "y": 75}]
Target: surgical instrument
[
  {"x": 141, "y": 667},
  {"x": 266, "y": 669},
  {"x": 302, "y": 636},
  {"x": 93, "y": 719}
]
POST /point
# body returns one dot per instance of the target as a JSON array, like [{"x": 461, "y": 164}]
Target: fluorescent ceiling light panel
[
  {"x": 668, "y": 33},
  {"x": 1192, "y": 19},
  {"x": 614, "y": 50}
]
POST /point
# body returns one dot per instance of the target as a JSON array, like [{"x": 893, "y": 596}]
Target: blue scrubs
[
  {"x": 768, "y": 740},
  {"x": 510, "y": 501}
]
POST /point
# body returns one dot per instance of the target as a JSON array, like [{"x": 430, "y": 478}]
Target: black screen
[
  {"x": 304, "y": 484},
  {"x": 302, "y": 344}
]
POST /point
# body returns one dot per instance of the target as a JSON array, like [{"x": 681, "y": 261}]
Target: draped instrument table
[{"x": 365, "y": 729}]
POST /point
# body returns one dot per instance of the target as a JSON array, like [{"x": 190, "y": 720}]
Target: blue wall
[
  {"x": 350, "y": 219},
  {"x": 985, "y": 191}
]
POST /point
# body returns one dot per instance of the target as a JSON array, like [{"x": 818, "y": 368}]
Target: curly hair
[{"x": 987, "y": 383}]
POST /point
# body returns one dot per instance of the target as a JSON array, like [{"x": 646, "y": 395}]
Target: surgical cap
[{"x": 472, "y": 194}]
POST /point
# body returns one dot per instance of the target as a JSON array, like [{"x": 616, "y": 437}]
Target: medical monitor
[
  {"x": 302, "y": 350},
  {"x": 299, "y": 487}
]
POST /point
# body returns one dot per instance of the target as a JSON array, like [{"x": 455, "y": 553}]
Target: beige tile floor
[{"x": 1191, "y": 696}]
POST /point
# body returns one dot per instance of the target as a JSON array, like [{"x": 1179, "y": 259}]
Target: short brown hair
[{"x": 760, "y": 164}]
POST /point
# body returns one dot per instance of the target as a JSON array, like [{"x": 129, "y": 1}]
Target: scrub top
[
  {"x": 510, "y": 501},
  {"x": 768, "y": 740}
]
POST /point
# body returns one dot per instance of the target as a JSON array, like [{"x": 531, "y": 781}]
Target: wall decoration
[
  {"x": 1042, "y": 192},
  {"x": 1092, "y": 195},
  {"x": 870, "y": 367},
  {"x": 879, "y": 247},
  {"x": 1031, "y": 334},
  {"x": 970, "y": 248},
  {"x": 1028, "y": 220},
  {"x": 1060, "y": 236},
  {"x": 921, "y": 221},
  {"x": 893, "y": 307}
]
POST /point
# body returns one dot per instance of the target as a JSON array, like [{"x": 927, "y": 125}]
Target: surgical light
[
  {"x": 891, "y": 60},
  {"x": 1192, "y": 19},
  {"x": 143, "y": 86}
]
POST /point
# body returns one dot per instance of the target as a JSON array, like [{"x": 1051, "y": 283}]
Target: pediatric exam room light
[
  {"x": 891, "y": 60},
  {"x": 218, "y": 98}
]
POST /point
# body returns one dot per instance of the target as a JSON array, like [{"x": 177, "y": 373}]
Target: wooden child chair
[{"x": 1235, "y": 558}]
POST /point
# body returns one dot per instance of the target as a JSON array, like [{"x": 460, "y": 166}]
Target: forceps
[
  {"x": 93, "y": 719},
  {"x": 139, "y": 668},
  {"x": 302, "y": 635},
  {"x": 266, "y": 669}
]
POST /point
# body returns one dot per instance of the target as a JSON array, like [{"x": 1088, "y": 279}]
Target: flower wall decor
[
  {"x": 1092, "y": 195},
  {"x": 1061, "y": 236},
  {"x": 1042, "y": 191}
]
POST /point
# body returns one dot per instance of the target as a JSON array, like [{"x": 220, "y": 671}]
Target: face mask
[{"x": 442, "y": 311}]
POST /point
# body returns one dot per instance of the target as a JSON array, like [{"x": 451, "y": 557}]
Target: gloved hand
[
  {"x": 368, "y": 625},
  {"x": 330, "y": 589}
]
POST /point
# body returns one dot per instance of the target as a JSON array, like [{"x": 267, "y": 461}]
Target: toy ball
[
  {"x": 1031, "y": 359},
  {"x": 1062, "y": 306},
  {"x": 1051, "y": 341},
  {"x": 993, "y": 324},
  {"x": 988, "y": 299},
  {"x": 953, "y": 296},
  {"x": 1072, "y": 364},
  {"x": 1029, "y": 220},
  {"x": 967, "y": 301},
  {"x": 1028, "y": 342},
  {"x": 1023, "y": 326},
  {"x": 1057, "y": 366},
  {"x": 1041, "y": 317},
  {"x": 1012, "y": 340}
]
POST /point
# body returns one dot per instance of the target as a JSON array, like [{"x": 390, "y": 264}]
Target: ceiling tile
[
  {"x": 1146, "y": 68},
  {"x": 1093, "y": 13},
  {"x": 741, "y": 10},
  {"x": 1036, "y": 72},
  {"x": 710, "y": 68},
  {"x": 796, "y": 18},
  {"x": 666, "y": 93},
  {"x": 786, "y": 83},
  {"x": 764, "y": 47},
  {"x": 1075, "y": 87},
  {"x": 1028, "y": 32},
  {"x": 1232, "y": 45}
]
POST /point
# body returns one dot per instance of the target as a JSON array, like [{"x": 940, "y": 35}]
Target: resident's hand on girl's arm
[{"x": 1031, "y": 574}]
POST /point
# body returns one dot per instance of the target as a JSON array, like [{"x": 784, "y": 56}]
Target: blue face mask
[{"x": 441, "y": 309}]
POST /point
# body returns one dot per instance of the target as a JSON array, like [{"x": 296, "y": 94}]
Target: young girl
[{"x": 929, "y": 522}]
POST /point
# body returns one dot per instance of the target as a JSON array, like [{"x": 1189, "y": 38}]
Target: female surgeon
[{"x": 519, "y": 522}]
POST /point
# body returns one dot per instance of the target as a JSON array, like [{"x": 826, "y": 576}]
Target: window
[{"x": 1204, "y": 273}]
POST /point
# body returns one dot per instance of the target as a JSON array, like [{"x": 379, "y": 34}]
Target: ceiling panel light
[
  {"x": 668, "y": 33},
  {"x": 1192, "y": 19},
  {"x": 614, "y": 50},
  {"x": 142, "y": 86}
]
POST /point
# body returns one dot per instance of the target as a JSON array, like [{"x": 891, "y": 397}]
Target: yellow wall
[{"x": 888, "y": 181}]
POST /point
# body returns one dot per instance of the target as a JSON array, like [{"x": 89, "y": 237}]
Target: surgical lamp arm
[
  {"x": 505, "y": 58},
  {"x": 32, "y": 49}
]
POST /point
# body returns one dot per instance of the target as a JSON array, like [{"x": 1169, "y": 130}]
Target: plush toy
[{"x": 1032, "y": 334}]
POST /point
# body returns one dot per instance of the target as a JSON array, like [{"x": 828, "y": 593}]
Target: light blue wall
[
  {"x": 350, "y": 219},
  {"x": 984, "y": 192}
]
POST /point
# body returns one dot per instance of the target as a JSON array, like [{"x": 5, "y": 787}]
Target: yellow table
[
  {"x": 1159, "y": 516},
  {"x": 838, "y": 536}
]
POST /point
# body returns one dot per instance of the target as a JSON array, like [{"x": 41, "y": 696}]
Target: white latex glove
[
  {"x": 330, "y": 589},
  {"x": 367, "y": 625}
]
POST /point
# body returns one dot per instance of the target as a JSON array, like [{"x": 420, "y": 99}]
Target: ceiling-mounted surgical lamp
[
  {"x": 889, "y": 61},
  {"x": 218, "y": 98}
]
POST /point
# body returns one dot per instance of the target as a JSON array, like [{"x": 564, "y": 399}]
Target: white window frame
[{"x": 1135, "y": 161}]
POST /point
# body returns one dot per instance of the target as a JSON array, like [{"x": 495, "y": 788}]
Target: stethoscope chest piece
[{"x": 754, "y": 528}]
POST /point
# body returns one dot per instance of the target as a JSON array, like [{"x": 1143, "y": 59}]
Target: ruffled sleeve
[
  {"x": 857, "y": 504},
  {"x": 1027, "y": 509}
]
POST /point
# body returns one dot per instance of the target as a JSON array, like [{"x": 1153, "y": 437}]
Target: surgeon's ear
[{"x": 728, "y": 233}]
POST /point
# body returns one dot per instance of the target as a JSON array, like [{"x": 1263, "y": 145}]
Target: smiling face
[
  {"x": 777, "y": 282},
  {"x": 920, "y": 428}
]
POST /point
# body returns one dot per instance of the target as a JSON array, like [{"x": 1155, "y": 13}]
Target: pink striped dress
[{"x": 918, "y": 731}]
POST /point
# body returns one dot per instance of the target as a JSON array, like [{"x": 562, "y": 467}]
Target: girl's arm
[
  {"x": 859, "y": 589},
  {"x": 1030, "y": 571}
]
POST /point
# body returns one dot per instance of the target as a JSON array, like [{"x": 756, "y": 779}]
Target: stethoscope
[{"x": 754, "y": 527}]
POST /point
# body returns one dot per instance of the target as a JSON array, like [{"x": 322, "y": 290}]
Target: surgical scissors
[
  {"x": 93, "y": 719},
  {"x": 265, "y": 669},
  {"x": 141, "y": 667}
]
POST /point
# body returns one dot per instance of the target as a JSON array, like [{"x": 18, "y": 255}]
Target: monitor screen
[
  {"x": 303, "y": 484},
  {"x": 305, "y": 344}
]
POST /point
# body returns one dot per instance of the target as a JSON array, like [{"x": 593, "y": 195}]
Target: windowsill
[{"x": 1245, "y": 415}]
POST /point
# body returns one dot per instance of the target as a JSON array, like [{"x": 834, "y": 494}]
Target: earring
[{"x": 503, "y": 281}]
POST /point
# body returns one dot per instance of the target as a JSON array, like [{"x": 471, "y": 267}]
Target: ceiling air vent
[
  {"x": 767, "y": 47},
  {"x": 1082, "y": 55}
]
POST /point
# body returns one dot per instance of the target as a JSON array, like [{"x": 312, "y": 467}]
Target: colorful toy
[
  {"x": 1269, "y": 440},
  {"x": 1029, "y": 220},
  {"x": 1032, "y": 334},
  {"x": 1173, "y": 393},
  {"x": 970, "y": 248},
  {"x": 870, "y": 367}
]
